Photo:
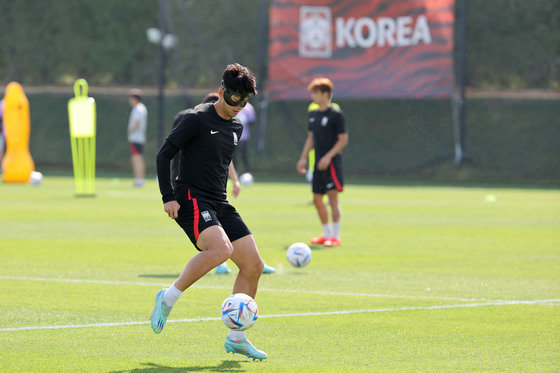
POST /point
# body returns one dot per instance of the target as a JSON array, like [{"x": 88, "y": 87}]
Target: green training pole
[{"x": 81, "y": 114}]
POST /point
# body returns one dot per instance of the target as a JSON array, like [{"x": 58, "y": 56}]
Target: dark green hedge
[{"x": 506, "y": 139}]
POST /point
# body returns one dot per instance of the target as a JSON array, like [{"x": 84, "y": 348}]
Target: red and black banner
[{"x": 368, "y": 48}]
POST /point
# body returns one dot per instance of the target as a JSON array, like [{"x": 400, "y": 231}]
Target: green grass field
[{"x": 427, "y": 279}]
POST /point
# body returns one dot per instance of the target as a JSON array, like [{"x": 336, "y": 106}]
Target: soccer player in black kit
[
  {"x": 206, "y": 138},
  {"x": 327, "y": 133}
]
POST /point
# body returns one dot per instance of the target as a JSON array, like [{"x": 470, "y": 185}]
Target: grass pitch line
[
  {"x": 547, "y": 302},
  {"x": 86, "y": 281}
]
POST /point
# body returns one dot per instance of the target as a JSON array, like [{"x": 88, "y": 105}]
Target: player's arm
[
  {"x": 175, "y": 160},
  {"x": 342, "y": 141},
  {"x": 163, "y": 163},
  {"x": 179, "y": 137},
  {"x": 135, "y": 126},
  {"x": 233, "y": 176},
  {"x": 302, "y": 162},
  {"x": 337, "y": 148}
]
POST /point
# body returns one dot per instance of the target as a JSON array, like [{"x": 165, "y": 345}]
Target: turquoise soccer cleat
[
  {"x": 223, "y": 269},
  {"x": 244, "y": 347},
  {"x": 160, "y": 312},
  {"x": 268, "y": 269}
]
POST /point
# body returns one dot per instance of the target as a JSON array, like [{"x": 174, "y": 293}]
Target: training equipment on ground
[
  {"x": 239, "y": 312},
  {"x": 244, "y": 347},
  {"x": 36, "y": 178},
  {"x": 246, "y": 179},
  {"x": 17, "y": 163},
  {"x": 81, "y": 114},
  {"x": 299, "y": 254}
]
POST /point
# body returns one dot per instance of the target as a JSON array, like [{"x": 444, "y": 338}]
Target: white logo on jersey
[
  {"x": 234, "y": 138},
  {"x": 324, "y": 121},
  {"x": 213, "y": 132},
  {"x": 311, "y": 120},
  {"x": 330, "y": 185},
  {"x": 206, "y": 216}
]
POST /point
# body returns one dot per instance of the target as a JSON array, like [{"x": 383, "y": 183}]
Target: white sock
[
  {"x": 326, "y": 230},
  {"x": 236, "y": 335},
  {"x": 171, "y": 295},
  {"x": 336, "y": 229}
]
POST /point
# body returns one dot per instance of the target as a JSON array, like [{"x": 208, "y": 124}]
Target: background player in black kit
[
  {"x": 327, "y": 133},
  {"x": 206, "y": 138}
]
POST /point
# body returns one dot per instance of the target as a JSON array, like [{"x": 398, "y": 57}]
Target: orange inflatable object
[{"x": 17, "y": 163}]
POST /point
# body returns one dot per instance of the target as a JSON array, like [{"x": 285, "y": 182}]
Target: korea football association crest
[
  {"x": 235, "y": 139},
  {"x": 206, "y": 216},
  {"x": 315, "y": 32}
]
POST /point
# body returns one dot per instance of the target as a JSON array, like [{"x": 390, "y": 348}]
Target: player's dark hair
[
  {"x": 322, "y": 84},
  {"x": 211, "y": 97},
  {"x": 239, "y": 78},
  {"x": 136, "y": 93}
]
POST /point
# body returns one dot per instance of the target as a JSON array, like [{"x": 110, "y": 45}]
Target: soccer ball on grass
[
  {"x": 299, "y": 254},
  {"x": 36, "y": 178}
]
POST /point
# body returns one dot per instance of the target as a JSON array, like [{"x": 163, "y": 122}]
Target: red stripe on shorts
[
  {"x": 196, "y": 214},
  {"x": 335, "y": 178},
  {"x": 132, "y": 148}
]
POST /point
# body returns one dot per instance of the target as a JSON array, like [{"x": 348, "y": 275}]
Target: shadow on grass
[
  {"x": 156, "y": 275},
  {"x": 313, "y": 247},
  {"x": 224, "y": 366},
  {"x": 319, "y": 247}
]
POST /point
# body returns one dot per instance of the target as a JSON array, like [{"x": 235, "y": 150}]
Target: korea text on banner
[{"x": 369, "y": 49}]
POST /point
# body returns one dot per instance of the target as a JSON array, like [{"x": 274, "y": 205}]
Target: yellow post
[
  {"x": 17, "y": 163},
  {"x": 81, "y": 114}
]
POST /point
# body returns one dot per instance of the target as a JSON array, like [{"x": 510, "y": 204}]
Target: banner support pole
[
  {"x": 458, "y": 103},
  {"x": 263, "y": 71}
]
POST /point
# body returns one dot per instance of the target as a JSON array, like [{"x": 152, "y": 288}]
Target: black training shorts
[
  {"x": 329, "y": 179},
  {"x": 135, "y": 148},
  {"x": 197, "y": 214}
]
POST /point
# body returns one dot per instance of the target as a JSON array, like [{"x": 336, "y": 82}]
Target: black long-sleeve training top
[{"x": 206, "y": 143}]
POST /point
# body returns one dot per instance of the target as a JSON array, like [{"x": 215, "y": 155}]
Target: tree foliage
[{"x": 510, "y": 43}]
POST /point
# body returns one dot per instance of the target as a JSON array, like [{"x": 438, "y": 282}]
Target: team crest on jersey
[
  {"x": 324, "y": 121},
  {"x": 234, "y": 138},
  {"x": 311, "y": 120}
]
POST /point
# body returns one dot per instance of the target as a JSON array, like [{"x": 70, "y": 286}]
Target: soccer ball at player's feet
[
  {"x": 239, "y": 312},
  {"x": 299, "y": 254},
  {"x": 246, "y": 179}
]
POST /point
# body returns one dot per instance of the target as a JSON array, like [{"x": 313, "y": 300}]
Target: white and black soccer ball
[
  {"x": 36, "y": 178},
  {"x": 239, "y": 312},
  {"x": 299, "y": 254},
  {"x": 246, "y": 179}
]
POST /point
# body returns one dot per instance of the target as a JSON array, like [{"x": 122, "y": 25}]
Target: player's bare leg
[
  {"x": 334, "y": 240},
  {"x": 138, "y": 169},
  {"x": 216, "y": 248},
  {"x": 323, "y": 216},
  {"x": 246, "y": 256}
]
